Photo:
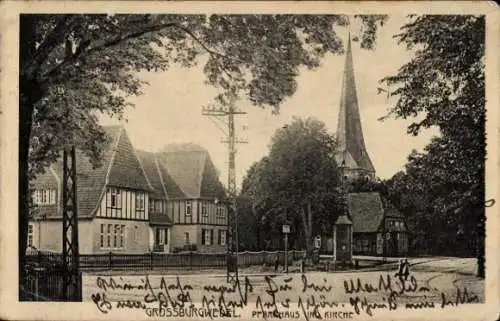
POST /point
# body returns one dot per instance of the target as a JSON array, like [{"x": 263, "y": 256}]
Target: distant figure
[
  {"x": 276, "y": 263},
  {"x": 403, "y": 271},
  {"x": 303, "y": 264},
  {"x": 406, "y": 269}
]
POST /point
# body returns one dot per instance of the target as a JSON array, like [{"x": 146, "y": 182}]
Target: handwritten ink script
[{"x": 315, "y": 296}]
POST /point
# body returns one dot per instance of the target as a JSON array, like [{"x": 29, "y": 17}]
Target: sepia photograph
[{"x": 252, "y": 165}]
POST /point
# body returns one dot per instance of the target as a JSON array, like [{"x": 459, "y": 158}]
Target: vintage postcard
[{"x": 249, "y": 160}]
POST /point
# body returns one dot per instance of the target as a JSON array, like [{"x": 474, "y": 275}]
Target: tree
[
  {"x": 443, "y": 84},
  {"x": 72, "y": 66},
  {"x": 297, "y": 179}
]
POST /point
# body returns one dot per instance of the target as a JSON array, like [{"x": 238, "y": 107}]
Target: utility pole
[
  {"x": 70, "y": 251},
  {"x": 232, "y": 222}
]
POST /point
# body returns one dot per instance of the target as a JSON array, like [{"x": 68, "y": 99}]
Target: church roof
[
  {"x": 351, "y": 145},
  {"x": 366, "y": 211}
]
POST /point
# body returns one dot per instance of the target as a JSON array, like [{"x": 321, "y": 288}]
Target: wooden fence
[{"x": 189, "y": 260}]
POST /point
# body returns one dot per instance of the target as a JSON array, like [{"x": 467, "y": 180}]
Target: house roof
[
  {"x": 149, "y": 165},
  {"x": 185, "y": 171},
  {"x": 119, "y": 167},
  {"x": 366, "y": 211},
  {"x": 125, "y": 170},
  {"x": 160, "y": 180},
  {"x": 192, "y": 170}
]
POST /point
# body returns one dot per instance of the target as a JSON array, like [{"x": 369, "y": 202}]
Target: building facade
[
  {"x": 132, "y": 204},
  {"x": 112, "y": 202},
  {"x": 376, "y": 230},
  {"x": 197, "y": 199}
]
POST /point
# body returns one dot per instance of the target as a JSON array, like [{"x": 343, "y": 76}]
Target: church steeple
[{"x": 351, "y": 155}]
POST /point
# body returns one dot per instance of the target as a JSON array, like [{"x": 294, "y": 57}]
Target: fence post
[
  {"x": 151, "y": 259},
  {"x": 109, "y": 260},
  {"x": 191, "y": 260}
]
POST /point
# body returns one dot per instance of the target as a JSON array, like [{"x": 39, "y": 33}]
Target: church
[{"x": 377, "y": 229}]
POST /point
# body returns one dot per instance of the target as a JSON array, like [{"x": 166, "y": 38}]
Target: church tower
[{"x": 351, "y": 156}]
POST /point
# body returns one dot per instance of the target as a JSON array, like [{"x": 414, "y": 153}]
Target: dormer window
[{"x": 44, "y": 196}]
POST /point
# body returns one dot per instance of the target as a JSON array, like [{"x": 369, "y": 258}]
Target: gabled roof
[
  {"x": 119, "y": 167},
  {"x": 125, "y": 170},
  {"x": 192, "y": 170},
  {"x": 351, "y": 144},
  {"x": 366, "y": 211},
  {"x": 150, "y": 167},
  {"x": 161, "y": 182}
]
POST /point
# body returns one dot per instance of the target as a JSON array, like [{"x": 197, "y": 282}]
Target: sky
[{"x": 169, "y": 110}]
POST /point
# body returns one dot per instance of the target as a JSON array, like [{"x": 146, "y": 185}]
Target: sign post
[{"x": 286, "y": 230}]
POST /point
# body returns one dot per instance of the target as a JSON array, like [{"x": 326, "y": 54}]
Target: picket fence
[{"x": 152, "y": 260}]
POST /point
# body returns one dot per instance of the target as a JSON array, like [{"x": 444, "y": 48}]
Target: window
[
  {"x": 139, "y": 204},
  {"x": 102, "y": 235},
  {"x": 152, "y": 206},
  {"x": 189, "y": 208},
  {"x": 160, "y": 236},
  {"x": 114, "y": 198},
  {"x": 30, "y": 235},
  {"x": 204, "y": 209},
  {"x": 108, "y": 236},
  {"x": 220, "y": 211},
  {"x": 222, "y": 237},
  {"x": 44, "y": 196},
  {"x": 139, "y": 201},
  {"x": 186, "y": 236},
  {"x": 158, "y": 208},
  {"x": 206, "y": 236},
  {"x": 116, "y": 234},
  {"x": 112, "y": 236}
]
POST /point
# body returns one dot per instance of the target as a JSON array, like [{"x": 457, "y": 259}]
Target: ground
[{"x": 432, "y": 283}]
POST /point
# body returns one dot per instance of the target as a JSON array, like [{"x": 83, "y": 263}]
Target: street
[{"x": 432, "y": 283}]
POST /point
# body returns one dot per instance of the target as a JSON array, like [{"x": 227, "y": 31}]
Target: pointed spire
[{"x": 351, "y": 144}]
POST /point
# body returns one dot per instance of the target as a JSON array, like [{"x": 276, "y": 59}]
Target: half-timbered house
[{"x": 112, "y": 202}]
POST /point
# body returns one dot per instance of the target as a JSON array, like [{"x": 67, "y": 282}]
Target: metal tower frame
[{"x": 70, "y": 252}]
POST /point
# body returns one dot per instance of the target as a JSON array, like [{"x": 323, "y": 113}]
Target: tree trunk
[
  {"x": 307, "y": 232},
  {"x": 25, "y": 119},
  {"x": 29, "y": 93},
  {"x": 309, "y": 219}
]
